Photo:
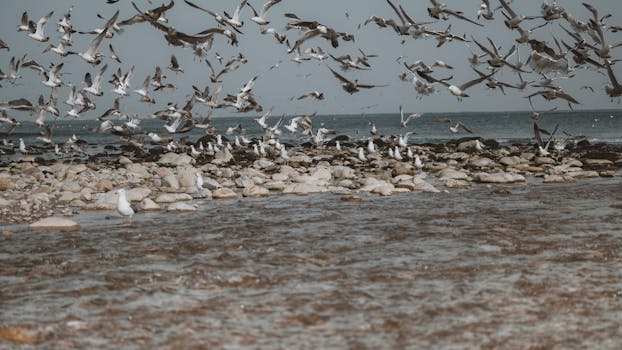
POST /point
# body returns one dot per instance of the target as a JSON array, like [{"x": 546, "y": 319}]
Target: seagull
[
  {"x": 361, "y": 155},
  {"x": 143, "y": 92},
  {"x": 38, "y": 34},
  {"x": 404, "y": 122},
  {"x": 220, "y": 19},
  {"x": 91, "y": 55},
  {"x": 371, "y": 147},
  {"x": 60, "y": 50},
  {"x": 352, "y": 86},
  {"x": 458, "y": 91},
  {"x": 174, "y": 66},
  {"x": 459, "y": 125},
  {"x": 52, "y": 76},
  {"x": 440, "y": 11},
  {"x": 123, "y": 206},
  {"x": 315, "y": 94},
  {"x": 418, "y": 162},
  {"x": 94, "y": 85},
  {"x": 261, "y": 17}
]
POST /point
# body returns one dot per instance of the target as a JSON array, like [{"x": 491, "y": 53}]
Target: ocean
[{"x": 505, "y": 127}]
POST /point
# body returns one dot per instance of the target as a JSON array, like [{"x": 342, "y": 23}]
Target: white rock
[
  {"x": 55, "y": 223},
  {"x": 149, "y": 205},
  {"x": 304, "y": 188},
  {"x": 174, "y": 159},
  {"x": 181, "y": 206},
  {"x": 499, "y": 178},
  {"x": 137, "y": 194},
  {"x": 171, "y": 181},
  {"x": 449, "y": 173},
  {"x": 224, "y": 193},
  {"x": 256, "y": 191},
  {"x": 187, "y": 176},
  {"x": 343, "y": 172},
  {"x": 173, "y": 197},
  {"x": 424, "y": 186},
  {"x": 138, "y": 170}
]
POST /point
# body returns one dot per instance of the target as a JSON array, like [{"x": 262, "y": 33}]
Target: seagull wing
[{"x": 339, "y": 76}]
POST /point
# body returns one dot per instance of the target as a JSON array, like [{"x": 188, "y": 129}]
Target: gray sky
[{"x": 144, "y": 46}]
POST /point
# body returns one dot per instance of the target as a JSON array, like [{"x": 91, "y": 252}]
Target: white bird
[
  {"x": 261, "y": 17},
  {"x": 409, "y": 153},
  {"x": 52, "y": 76},
  {"x": 91, "y": 55},
  {"x": 397, "y": 154},
  {"x": 361, "y": 155},
  {"x": 94, "y": 85},
  {"x": 371, "y": 147},
  {"x": 194, "y": 152},
  {"x": 478, "y": 146},
  {"x": 418, "y": 162},
  {"x": 373, "y": 129},
  {"x": 391, "y": 154},
  {"x": 143, "y": 92},
  {"x": 38, "y": 34},
  {"x": 404, "y": 121},
  {"x": 22, "y": 146},
  {"x": 284, "y": 154},
  {"x": 123, "y": 206},
  {"x": 337, "y": 145},
  {"x": 199, "y": 181}
]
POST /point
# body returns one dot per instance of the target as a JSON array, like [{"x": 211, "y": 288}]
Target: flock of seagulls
[{"x": 585, "y": 46}]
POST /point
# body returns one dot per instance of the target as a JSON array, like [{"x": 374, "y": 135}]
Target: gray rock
[{"x": 174, "y": 159}]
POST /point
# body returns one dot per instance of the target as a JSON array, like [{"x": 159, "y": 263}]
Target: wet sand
[{"x": 519, "y": 266}]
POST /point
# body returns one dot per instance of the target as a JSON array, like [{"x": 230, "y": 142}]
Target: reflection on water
[{"x": 471, "y": 268}]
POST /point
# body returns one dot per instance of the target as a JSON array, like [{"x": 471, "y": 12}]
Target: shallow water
[{"x": 488, "y": 267}]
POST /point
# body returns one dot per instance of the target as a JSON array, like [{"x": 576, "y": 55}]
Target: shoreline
[{"x": 159, "y": 180}]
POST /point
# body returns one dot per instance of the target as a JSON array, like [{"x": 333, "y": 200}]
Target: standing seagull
[{"x": 123, "y": 206}]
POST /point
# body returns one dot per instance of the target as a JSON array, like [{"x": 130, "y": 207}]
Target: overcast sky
[{"x": 144, "y": 46}]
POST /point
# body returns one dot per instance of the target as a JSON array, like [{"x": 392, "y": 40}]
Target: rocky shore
[{"x": 32, "y": 188}]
